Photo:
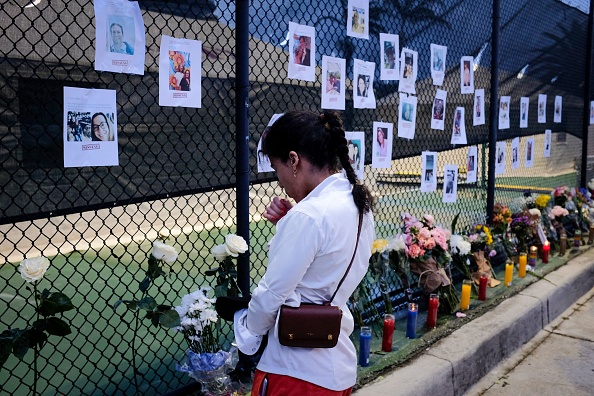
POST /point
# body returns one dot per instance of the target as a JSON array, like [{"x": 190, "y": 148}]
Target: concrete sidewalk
[
  {"x": 456, "y": 363},
  {"x": 558, "y": 361}
]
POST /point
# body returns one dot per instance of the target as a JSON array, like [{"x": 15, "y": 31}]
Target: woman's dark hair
[{"x": 320, "y": 138}]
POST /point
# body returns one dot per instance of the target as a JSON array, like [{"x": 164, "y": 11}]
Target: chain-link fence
[{"x": 176, "y": 173}]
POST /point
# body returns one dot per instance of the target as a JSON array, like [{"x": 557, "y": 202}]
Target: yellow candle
[
  {"x": 509, "y": 272},
  {"x": 522, "y": 269},
  {"x": 465, "y": 300}
]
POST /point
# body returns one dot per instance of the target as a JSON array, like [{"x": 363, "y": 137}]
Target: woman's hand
[{"x": 277, "y": 209}]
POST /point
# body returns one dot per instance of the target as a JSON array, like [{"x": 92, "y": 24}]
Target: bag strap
[{"x": 352, "y": 258}]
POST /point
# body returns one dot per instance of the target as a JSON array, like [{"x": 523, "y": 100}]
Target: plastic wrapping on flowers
[{"x": 211, "y": 370}]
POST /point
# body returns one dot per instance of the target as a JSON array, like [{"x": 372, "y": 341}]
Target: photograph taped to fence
[
  {"x": 407, "y": 116},
  {"x": 358, "y": 19},
  {"x": 390, "y": 44},
  {"x": 356, "y": 146},
  {"x": 382, "y": 145},
  {"x": 478, "y": 112},
  {"x": 529, "y": 160},
  {"x": 467, "y": 75},
  {"x": 515, "y": 153},
  {"x": 302, "y": 50},
  {"x": 459, "y": 129},
  {"x": 500, "y": 158},
  {"x": 428, "y": 171},
  {"x": 180, "y": 65},
  {"x": 408, "y": 71},
  {"x": 119, "y": 37},
  {"x": 363, "y": 96},
  {"x": 333, "y": 83},
  {"x": 524, "y": 106},
  {"x": 504, "y": 104},
  {"x": 450, "y": 183},
  {"x": 547, "y": 143},
  {"x": 471, "y": 168},
  {"x": 558, "y": 108},
  {"x": 438, "y": 58},
  {"x": 542, "y": 108},
  {"x": 438, "y": 110},
  {"x": 90, "y": 127}
]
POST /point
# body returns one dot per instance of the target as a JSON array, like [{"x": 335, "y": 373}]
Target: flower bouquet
[
  {"x": 481, "y": 241},
  {"x": 561, "y": 195},
  {"x": 427, "y": 250},
  {"x": 502, "y": 217},
  {"x": 380, "y": 269},
  {"x": 226, "y": 272},
  {"x": 204, "y": 362},
  {"x": 521, "y": 227}
]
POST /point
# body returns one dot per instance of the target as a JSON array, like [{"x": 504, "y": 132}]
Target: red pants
[{"x": 283, "y": 385}]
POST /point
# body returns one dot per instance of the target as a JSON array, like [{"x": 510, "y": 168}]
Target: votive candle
[
  {"x": 509, "y": 273},
  {"x": 364, "y": 346},
  {"x": 522, "y": 265},
  {"x": 577, "y": 238},
  {"x": 411, "y": 320},
  {"x": 389, "y": 320},
  {"x": 432, "y": 312},
  {"x": 483, "y": 280},
  {"x": 465, "y": 298},
  {"x": 562, "y": 244},
  {"x": 532, "y": 256},
  {"x": 546, "y": 248}
]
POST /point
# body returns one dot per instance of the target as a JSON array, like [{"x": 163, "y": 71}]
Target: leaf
[
  {"x": 20, "y": 344},
  {"x": 45, "y": 293},
  {"x": 5, "y": 348},
  {"x": 155, "y": 319},
  {"x": 211, "y": 272},
  {"x": 147, "y": 303},
  {"x": 163, "y": 308},
  {"x": 117, "y": 304},
  {"x": 57, "y": 327},
  {"x": 144, "y": 285},
  {"x": 149, "y": 314},
  {"x": 454, "y": 222},
  {"x": 220, "y": 291},
  {"x": 55, "y": 303},
  {"x": 169, "y": 319}
]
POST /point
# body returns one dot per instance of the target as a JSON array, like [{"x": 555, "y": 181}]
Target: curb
[{"x": 454, "y": 364}]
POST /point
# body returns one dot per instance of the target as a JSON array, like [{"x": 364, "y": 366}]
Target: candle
[
  {"x": 532, "y": 256},
  {"x": 591, "y": 235},
  {"x": 388, "y": 332},
  {"x": 465, "y": 299},
  {"x": 432, "y": 312},
  {"x": 562, "y": 244},
  {"x": 509, "y": 273},
  {"x": 522, "y": 265},
  {"x": 483, "y": 280},
  {"x": 411, "y": 320},
  {"x": 546, "y": 248},
  {"x": 364, "y": 345}
]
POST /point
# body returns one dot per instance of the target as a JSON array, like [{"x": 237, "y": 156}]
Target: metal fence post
[
  {"x": 586, "y": 118},
  {"x": 242, "y": 139},
  {"x": 494, "y": 108}
]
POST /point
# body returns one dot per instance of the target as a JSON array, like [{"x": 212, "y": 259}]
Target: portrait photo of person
[
  {"x": 523, "y": 111},
  {"x": 354, "y": 153},
  {"x": 408, "y": 65},
  {"x": 438, "y": 59},
  {"x": 457, "y": 120},
  {"x": 429, "y": 170},
  {"x": 451, "y": 175},
  {"x": 79, "y": 126},
  {"x": 470, "y": 163},
  {"x": 101, "y": 128},
  {"x": 389, "y": 55},
  {"x": 185, "y": 81},
  {"x": 333, "y": 82},
  {"x": 362, "y": 85},
  {"x": 438, "y": 109},
  {"x": 381, "y": 142},
  {"x": 358, "y": 20},
  {"x": 302, "y": 54},
  {"x": 117, "y": 39},
  {"x": 478, "y": 109},
  {"x": 541, "y": 109},
  {"x": 407, "y": 112},
  {"x": 466, "y": 73},
  {"x": 515, "y": 154},
  {"x": 529, "y": 151}
]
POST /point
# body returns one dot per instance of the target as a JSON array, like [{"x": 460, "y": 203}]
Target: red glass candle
[
  {"x": 388, "y": 332},
  {"x": 546, "y": 248},
  {"x": 432, "y": 313},
  {"x": 483, "y": 280}
]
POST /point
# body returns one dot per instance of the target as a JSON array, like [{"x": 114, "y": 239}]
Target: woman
[
  {"x": 310, "y": 252},
  {"x": 361, "y": 86},
  {"x": 101, "y": 128},
  {"x": 185, "y": 81},
  {"x": 382, "y": 147}
]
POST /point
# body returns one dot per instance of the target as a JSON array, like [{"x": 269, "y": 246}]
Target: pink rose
[
  {"x": 415, "y": 251},
  {"x": 424, "y": 233},
  {"x": 429, "y": 219},
  {"x": 429, "y": 243}
]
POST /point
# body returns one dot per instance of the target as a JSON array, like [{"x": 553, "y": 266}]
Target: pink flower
[
  {"x": 415, "y": 251},
  {"x": 493, "y": 253},
  {"x": 429, "y": 243},
  {"x": 473, "y": 237},
  {"x": 429, "y": 219},
  {"x": 424, "y": 233}
]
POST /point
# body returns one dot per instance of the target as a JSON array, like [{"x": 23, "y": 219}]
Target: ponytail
[{"x": 361, "y": 194}]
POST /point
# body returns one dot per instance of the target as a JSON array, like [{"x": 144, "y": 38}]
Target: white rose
[
  {"x": 34, "y": 268},
  {"x": 220, "y": 252},
  {"x": 235, "y": 245},
  {"x": 162, "y": 251}
]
